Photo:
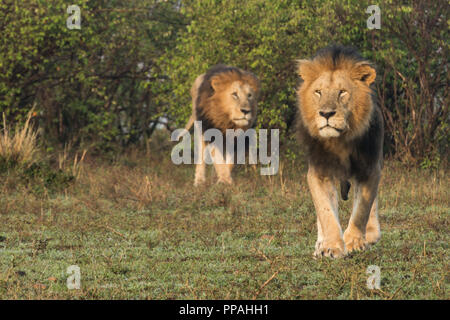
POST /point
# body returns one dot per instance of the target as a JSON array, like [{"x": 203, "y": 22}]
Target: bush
[
  {"x": 412, "y": 55},
  {"x": 92, "y": 86},
  {"x": 107, "y": 85},
  {"x": 20, "y": 159},
  {"x": 42, "y": 177},
  {"x": 265, "y": 37},
  {"x": 410, "y": 52}
]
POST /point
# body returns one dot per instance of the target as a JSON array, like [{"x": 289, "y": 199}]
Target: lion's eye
[
  {"x": 249, "y": 95},
  {"x": 318, "y": 92},
  {"x": 235, "y": 95},
  {"x": 342, "y": 93}
]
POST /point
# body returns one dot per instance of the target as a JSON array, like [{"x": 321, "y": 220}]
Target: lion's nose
[
  {"x": 327, "y": 115},
  {"x": 245, "y": 111}
]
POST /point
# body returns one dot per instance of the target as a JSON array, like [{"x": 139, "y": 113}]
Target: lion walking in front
[
  {"x": 342, "y": 128},
  {"x": 222, "y": 98}
]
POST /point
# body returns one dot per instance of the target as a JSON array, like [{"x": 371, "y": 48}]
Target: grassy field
[{"x": 139, "y": 230}]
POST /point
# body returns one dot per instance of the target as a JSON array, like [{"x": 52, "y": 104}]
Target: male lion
[
  {"x": 341, "y": 125},
  {"x": 222, "y": 98}
]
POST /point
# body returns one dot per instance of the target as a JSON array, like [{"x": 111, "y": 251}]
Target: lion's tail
[
  {"x": 190, "y": 122},
  {"x": 187, "y": 127}
]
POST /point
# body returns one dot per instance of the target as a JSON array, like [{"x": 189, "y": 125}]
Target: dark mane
[
  {"x": 339, "y": 53},
  {"x": 205, "y": 91},
  {"x": 215, "y": 70},
  {"x": 363, "y": 157},
  {"x": 208, "y": 90}
]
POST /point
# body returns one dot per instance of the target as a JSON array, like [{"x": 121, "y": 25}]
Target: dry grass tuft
[
  {"x": 74, "y": 167},
  {"x": 18, "y": 146}
]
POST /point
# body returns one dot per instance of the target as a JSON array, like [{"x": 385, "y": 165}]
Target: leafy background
[{"x": 108, "y": 86}]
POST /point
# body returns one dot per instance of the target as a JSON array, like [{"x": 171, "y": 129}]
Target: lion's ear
[
  {"x": 364, "y": 72},
  {"x": 215, "y": 83},
  {"x": 306, "y": 70}
]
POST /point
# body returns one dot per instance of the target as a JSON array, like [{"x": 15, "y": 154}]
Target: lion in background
[
  {"x": 341, "y": 125},
  {"x": 223, "y": 98}
]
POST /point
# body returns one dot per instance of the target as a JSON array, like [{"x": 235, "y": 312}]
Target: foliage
[
  {"x": 133, "y": 62},
  {"x": 412, "y": 53},
  {"x": 260, "y": 36},
  {"x": 89, "y": 83},
  {"x": 41, "y": 177},
  {"x": 409, "y": 50}
]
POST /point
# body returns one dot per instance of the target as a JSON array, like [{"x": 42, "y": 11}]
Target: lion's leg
[
  {"x": 200, "y": 168},
  {"x": 365, "y": 194},
  {"x": 373, "y": 231},
  {"x": 319, "y": 236},
  {"x": 325, "y": 198},
  {"x": 222, "y": 168}
]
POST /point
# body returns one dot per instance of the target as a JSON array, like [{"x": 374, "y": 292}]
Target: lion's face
[
  {"x": 335, "y": 102},
  {"x": 235, "y": 100},
  {"x": 239, "y": 101},
  {"x": 330, "y": 97}
]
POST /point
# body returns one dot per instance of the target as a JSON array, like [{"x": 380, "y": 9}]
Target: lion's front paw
[
  {"x": 354, "y": 241},
  {"x": 225, "y": 180},
  {"x": 372, "y": 235},
  {"x": 199, "y": 182},
  {"x": 332, "y": 249}
]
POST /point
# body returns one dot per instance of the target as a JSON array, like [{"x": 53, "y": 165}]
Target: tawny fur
[
  {"x": 215, "y": 106},
  {"x": 341, "y": 127}
]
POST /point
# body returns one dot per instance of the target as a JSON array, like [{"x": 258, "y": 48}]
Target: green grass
[{"x": 138, "y": 229}]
